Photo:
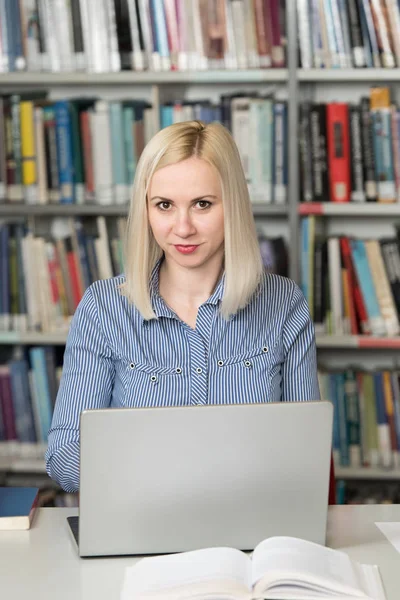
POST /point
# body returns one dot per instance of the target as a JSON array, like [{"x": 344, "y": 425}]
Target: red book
[
  {"x": 337, "y": 123},
  {"x": 355, "y": 288},
  {"x": 77, "y": 291}
]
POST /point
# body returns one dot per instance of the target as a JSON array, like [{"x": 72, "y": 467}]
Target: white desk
[{"x": 42, "y": 564}]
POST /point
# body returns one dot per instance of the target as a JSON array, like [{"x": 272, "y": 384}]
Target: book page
[
  {"x": 293, "y": 560},
  {"x": 153, "y": 574}
]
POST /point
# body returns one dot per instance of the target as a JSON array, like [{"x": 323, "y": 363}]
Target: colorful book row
[
  {"x": 85, "y": 150},
  {"x": 42, "y": 279},
  {"x": 352, "y": 285},
  {"x": 350, "y": 152},
  {"x": 366, "y": 429},
  {"x": 349, "y": 33},
  {"x": 159, "y": 35}
]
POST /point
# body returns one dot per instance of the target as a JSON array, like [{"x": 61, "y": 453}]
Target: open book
[{"x": 280, "y": 568}]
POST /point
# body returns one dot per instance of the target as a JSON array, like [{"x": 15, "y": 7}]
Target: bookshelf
[{"x": 293, "y": 84}]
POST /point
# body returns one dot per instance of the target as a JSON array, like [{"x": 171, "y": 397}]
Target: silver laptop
[{"x": 161, "y": 480}]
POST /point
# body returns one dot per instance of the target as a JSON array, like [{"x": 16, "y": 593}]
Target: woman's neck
[{"x": 188, "y": 287}]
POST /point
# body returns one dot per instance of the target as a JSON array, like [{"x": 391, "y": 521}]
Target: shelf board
[
  {"x": 53, "y": 210},
  {"x": 71, "y": 210},
  {"x": 32, "y": 338},
  {"x": 348, "y": 75},
  {"x": 350, "y": 209},
  {"x": 260, "y": 209},
  {"x": 369, "y": 473},
  {"x": 358, "y": 342},
  {"x": 22, "y": 465},
  {"x": 144, "y": 77}
]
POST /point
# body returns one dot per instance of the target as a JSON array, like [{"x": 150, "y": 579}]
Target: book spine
[
  {"x": 278, "y": 53},
  {"x": 384, "y": 444},
  {"x": 338, "y": 151},
  {"x": 303, "y": 18},
  {"x": 336, "y": 292},
  {"x": 64, "y": 151},
  {"x": 280, "y": 133},
  {"x": 391, "y": 259},
  {"x": 18, "y": 193},
  {"x": 323, "y": 17},
  {"x": 78, "y": 38},
  {"x": 356, "y": 33},
  {"x": 317, "y": 159},
  {"x": 77, "y": 154},
  {"x": 305, "y": 152},
  {"x": 382, "y": 34},
  {"x": 39, "y": 368},
  {"x": 24, "y": 423},
  {"x": 344, "y": 58},
  {"x": 354, "y": 286},
  {"x": 111, "y": 25},
  {"x": 383, "y": 144},
  {"x": 40, "y": 148},
  {"x": 371, "y": 190},
  {"x": 28, "y": 153},
  {"x": 357, "y": 171},
  {"x": 50, "y": 137},
  {"x": 382, "y": 287},
  {"x": 7, "y": 405},
  {"x": 395, "y": 125},
  {"x": 138, "y": 56},
  {"x": 353, "y": 418},
  {"x": 118, "y": 153},
  {"x": 393, "y": 13},
  {"x": 365, "y": 282},
  {"x": 365, "y": 10},
  {"x": 316, "y": 31}
]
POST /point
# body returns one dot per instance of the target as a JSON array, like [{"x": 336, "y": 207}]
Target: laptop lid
[{"x": 156, "y": 480}]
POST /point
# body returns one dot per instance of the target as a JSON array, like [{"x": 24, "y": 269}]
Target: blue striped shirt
[{"x": 115, "y": 358}]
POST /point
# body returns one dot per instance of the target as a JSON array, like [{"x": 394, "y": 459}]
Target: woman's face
[{"x": 186, "y": 213}]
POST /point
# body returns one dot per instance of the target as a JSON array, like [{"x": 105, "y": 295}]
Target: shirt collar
[{"x": 159, "y": 306}]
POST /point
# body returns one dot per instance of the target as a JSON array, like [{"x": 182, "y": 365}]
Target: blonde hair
[{"x": 243, "y": 265}]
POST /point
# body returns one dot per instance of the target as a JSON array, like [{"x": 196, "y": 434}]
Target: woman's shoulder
[
  {"x": 107, "y": 289},
  {"x": 108, "y": 296},
  {"x": 279, "y": 287}
]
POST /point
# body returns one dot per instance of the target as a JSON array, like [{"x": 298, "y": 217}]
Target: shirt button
[
  {"x": 199, "y": 371},
  {"x": 178, "y": 370},
  {"x": 265, "y": 349},
  {"x": 220, "y": 363},
  {"x": 132, "y": 365},
  {"x": 248, "y": 363},
  {"x": 153, "y": 378}
]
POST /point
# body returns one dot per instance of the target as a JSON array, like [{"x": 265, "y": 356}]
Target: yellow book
[
  {"x": 379, "y": 98},
  {"x": 28, "y": 152}
]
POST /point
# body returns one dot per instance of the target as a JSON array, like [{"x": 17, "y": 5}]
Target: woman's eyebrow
[{"x": 192, "y": 200}]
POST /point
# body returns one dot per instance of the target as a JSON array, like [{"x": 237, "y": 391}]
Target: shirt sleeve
[
  {"x": 300, "y": 373},
  {"x": 86, "y": 383}
]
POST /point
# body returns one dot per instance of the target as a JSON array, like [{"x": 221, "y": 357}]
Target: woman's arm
[
  {"x": 299, "y": 377},
  {"x": 87, "y": 382}
]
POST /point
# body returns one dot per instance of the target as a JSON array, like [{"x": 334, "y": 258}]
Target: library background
[{"x": 309, "y": 90}]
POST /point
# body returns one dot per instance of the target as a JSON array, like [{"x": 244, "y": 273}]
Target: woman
[{"x": 195, "y": 320}]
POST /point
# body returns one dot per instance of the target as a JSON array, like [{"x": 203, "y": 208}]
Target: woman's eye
[
  {"x": 164, "y": 205},
  {"x": 204, "y": 203}
]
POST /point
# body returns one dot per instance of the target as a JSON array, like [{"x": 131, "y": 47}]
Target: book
[
  {"x": 280, "y": 567},
  {"x": 17, "y": 507}
]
